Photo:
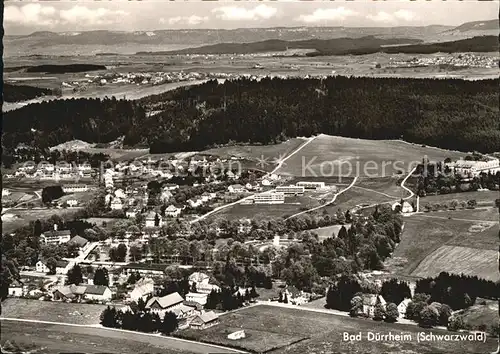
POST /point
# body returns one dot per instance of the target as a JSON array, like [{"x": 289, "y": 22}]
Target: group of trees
[
  {"x": 428, "y": 313},
  {"x": 228, "y": 298},
  {"x": 458, "y": 291},
  {"x": 451, "y": 205},
  {"x": 16, "y": 93},
  {"x": 139, "y": 319},
  {"x": 270, "y": 110}
]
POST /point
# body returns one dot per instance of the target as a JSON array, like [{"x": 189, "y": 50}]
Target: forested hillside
[
  {"x": 454, "y": 114},
  {"x": 16, "y": 93}
]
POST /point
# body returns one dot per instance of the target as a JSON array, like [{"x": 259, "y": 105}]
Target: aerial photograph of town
[{"x": 250, "y": 177}]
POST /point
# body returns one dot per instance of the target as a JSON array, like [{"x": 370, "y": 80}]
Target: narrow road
[
  {"x": 328, "y": 203},
  {"x": 406, "y": 188},
  {"x": 280, "y": 164},
  {"x": 151, "y": 338}
]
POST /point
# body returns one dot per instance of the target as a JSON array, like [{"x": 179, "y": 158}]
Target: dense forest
[
  {"x": 334, "y": 46},
  {"x": 452, "y": 114},
  {"x": 346, "y": 46},
  {"x": 16, "y": 93},
  {"x": 61, "y": 69}
]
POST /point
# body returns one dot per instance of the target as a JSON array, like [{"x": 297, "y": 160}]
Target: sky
[{"x": 22, "y": 17}]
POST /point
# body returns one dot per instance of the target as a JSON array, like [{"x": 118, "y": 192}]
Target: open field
[
  {"x": 240, "y": 211},
  {"x": 479, "y": 314},
  {"x": 425, "y": 233},
  {"x": 455, "y": 259},
  {"x": 333, "y": 156},
  {"x": 390, "y": 186},
  {"x": 54, "y": 338},
  {"x": 15, "y": 218},
  {"x": 354, "y": 198},
  {"x": 253, "y": 152},
  {"x": 52, "y": 311},
  {"x": 483, "y": 198},
  {"x": 268, "y": 326}
]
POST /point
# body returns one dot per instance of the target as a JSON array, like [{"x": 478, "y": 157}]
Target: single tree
[{"x": 391, "y": 312}]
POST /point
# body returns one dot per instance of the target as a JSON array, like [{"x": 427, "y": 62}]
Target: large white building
[
  {"x": 55, "y": 237},
  {"x": 199, "y": 298},
  {"x": 269, "y": 198},
  {"x": 474, "y": 168},
  {"x": 291, "y": 190},
  {"x": 311, "y": 185}
]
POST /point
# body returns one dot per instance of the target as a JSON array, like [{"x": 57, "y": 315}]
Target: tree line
[{"x": 428, "y": 111}]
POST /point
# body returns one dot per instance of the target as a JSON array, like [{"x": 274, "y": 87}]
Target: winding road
[{"x": 280, "y": 164}]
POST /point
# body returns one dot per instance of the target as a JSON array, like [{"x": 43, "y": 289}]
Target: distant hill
[
  {"x": 333, "y": 46},
  {"x": 94, "y": 42},
  {"x": 477, "y": 25},
  {"x": 347, "y": 46}
]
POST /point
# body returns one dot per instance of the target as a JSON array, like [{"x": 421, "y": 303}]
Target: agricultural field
[
  {"x": 254, "y": 152},
  {"x": 388, "y": 186},
  {"x": 483, "y": 198},
  {"x": 87, "y": 314},
  {"x": 15, "y": 218},
  {"x": 425, "y": 234},
  {"x": 270, "y": 328},
  {"x": 338, "y": 156},
  {"x": 52, "y": 338},
  {"x": 456, "y": 259}
]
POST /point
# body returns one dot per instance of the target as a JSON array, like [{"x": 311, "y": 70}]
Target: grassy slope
[
  {"x": 339, "y": 155},
  {"x": 324, "y": 332}
]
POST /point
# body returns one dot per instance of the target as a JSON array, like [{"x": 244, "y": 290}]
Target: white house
[
  {"x": 172, "y": 211},
  {"x": 55, "y": 237},
  {"x": 143, "y": 288},
  {"x": 41, "y": 267},
  {"x": 236, "y": 188},
  {"x": 151, "y": 219},
  {"x": 195, "y": 202},
  {"x": 403, "y": 305},
  {"x": 98, "y": 293},
  {"x": 72, "y": 203},
  {"x": 116, "y": 204},
  {"x": 15, "y": 289},
  {"x": 197, "y": 297},
  {"x": 369, "y": 302}
]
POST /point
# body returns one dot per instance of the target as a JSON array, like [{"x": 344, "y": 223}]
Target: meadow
[
  {"x": 272, "y": 329},
  {"x": 461, "y": 260},
  {"x": 435, "y": 242},
  {"x": 87, "y": 314},
  {"x": 51, "y": 338},
  {"x": 338, "y": 156},
  {"x": 483, "y": 198}
]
